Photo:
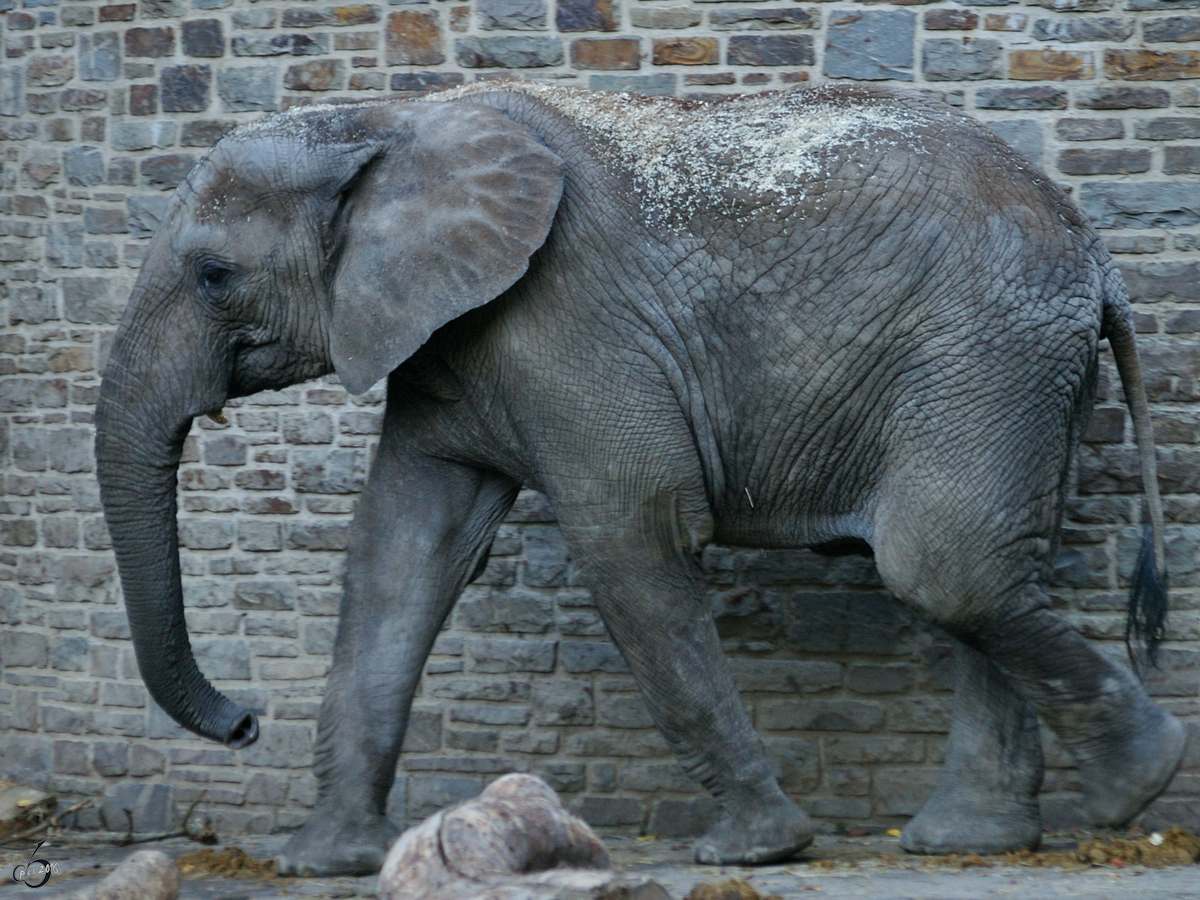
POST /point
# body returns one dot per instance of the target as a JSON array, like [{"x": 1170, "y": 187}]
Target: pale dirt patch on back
[{"x": 743, "y": 156}]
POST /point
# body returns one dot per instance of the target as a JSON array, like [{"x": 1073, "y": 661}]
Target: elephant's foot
[
  {"x": 760, "y": 830},
  {"x": 1119, "y": 783},
  {"x": 963, "y": 820},
  {"x": 329, "y": 845}
]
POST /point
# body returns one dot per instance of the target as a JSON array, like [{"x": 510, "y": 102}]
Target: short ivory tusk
[{"x": 219, "y": 417}]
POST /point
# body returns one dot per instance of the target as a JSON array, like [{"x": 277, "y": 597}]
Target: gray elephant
[{"x": 793, "y": 320}]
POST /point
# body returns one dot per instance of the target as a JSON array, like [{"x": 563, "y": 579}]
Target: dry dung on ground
[
  {"x": 733, "y": 889},
  {"x": 1173, "y": 847},
  {"x": 232, "y": 862}
]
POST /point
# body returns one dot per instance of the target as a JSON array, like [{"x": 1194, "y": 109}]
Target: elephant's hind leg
[
  {"x": 652, "y": 597},
  {"x": 976, "y": 569},
  {"x": 986, "y": 798}
]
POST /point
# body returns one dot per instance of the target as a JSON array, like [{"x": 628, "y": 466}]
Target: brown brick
[
  {"x": 143, "y": 99},
  {"x": 605, "y": 53},
  {"x": 710, "y": 78},
  {"x": 1050, "y": 65},
  {"x": 203, "y": 38},
  {"x": 364, "y": 62},
  {"x": 74, "y": 100},
  {"x": 358, "y": 14},
  {"x": 1151, "y": 65},
  {"x": 368, "y": 81},
  {"x": 950, "y": 20},
  {"x": 1005, "y": 21},
  {"x": 150, "y": 42},
  {"x": 685, "y": 52},
  {"x": 1103, "y": 161},
  {"x": 413, "y": 39},
  {"x": 302, "y": 18},
  {"x": 460, "y": 18},
  {"x": 315, "y": 75},
  {"x": 120, "y": 12}
]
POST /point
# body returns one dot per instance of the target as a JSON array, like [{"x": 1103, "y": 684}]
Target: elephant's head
[{"x": 331, "y": 238}]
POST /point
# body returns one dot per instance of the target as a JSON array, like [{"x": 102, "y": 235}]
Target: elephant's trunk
[{"x": 141, "y": 423}]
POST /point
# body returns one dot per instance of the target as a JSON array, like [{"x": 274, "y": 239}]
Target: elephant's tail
[{"x": 1147, "y": 614}]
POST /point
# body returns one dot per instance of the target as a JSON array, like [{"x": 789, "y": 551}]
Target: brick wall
[{"x": 104, "y": 107}]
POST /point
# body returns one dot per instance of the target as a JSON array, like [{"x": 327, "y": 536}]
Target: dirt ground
[{"x": 872, "y": 867}]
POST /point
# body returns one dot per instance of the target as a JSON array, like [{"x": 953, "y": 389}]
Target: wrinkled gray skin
[{"x": 902, "y": 351}]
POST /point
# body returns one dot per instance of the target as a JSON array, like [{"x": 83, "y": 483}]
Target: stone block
[
  {"x": 1023, "y": 135},
  {"x": 1177, "y": 128},
  {"x": 49, "y": 71},
  {"x": 670, "y": 17},
  {"x": 820, "y": 715},
  {"x": 413, "y": 38},
  {"x": 145, "y": 213},
  {"x": 586, "y": 15},
  {"x": 254, "y": 18},
  {"x": 1151, "y": 65},
  {"x": 143, "y": 99},
  {"x": 281, "y": 745},
  {"x": 24, "y": 648},
  {"x": 221, "y": 658},
  {"x": 866, "y": 678},
  {"x": 425, "y": 82},
  {"x": 1075, "y": 30},
  {"x": 248, "y": 89},
  {"x": 202, "y": 38},
  {"x": 424, "y": 731},
  {"x": 280, "y": 44},
  {"x": 687, "y": 51},
  {"x": 490, "y": 689},
  {"x": 429, "y": 793},
  {"x": 1038, "y": 97},
  {"x": 118, "y": 12},
  {"x": 99, "y": 56},
  {"x": 516, "y": 52},
  {"x": 673, "y": 819},
  {"x": 1103, "y": 161},
  {"x": 1123, "y": 97},
  {"x": 1174, "y": 28},
  {"x": 1143, "y": 204},
  {"x": 147, "y": 806},
  {"x": 69, "y": 654},
  {"x": 307, "y": 428},
  {"x": 324, "y": 472},
  {"x": 484, "y": 714},
  {"x": 605, "y": 53},
  {"x": 83, "y": 166},
  {"x": 951, "y": 20},
  {"x": 71, "y": 758},
  {"x": 499, "y": 655},
  {"x": 204, "y": 132},
  {"x": 316, "y": 75},
  {"x": 1089, "y": 129},
  {"x": 868, "y": 45},
  {"x": 953, "y": 59},
  {"x": 770, "y": 50},
  {"x": 922, "y": 715},
  {"x": 563, "y": 702},
  {"x": 185, "y": 88},
  {"x": 786, "y": 676},
  {"x": 512, "y": 15},
  {"x": 26, "y": 760},
  {"x": 150, "y": 42},
  {"x": 515, "y": 610},
  {"x": 902, "y": 792},
  {"x": 610, "y": 812},
  {"x": 582, "y": 657},
  {"x": 111, "y": 758},
  {"x": 529, "y": 741},
  {"x": 1181, "y": 160},
  {"x": 263, "y": 595}
]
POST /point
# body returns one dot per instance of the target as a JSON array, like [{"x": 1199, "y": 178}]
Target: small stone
[
  {"x": 413, "y": 38},
  {"x": 669, "y": 17},
  {"x": 143, "y": 99},
  {"x": 951, "y": 20},
  {"x": 697, "y": 51},
  {"x": 205, "y": 132},
  {"x": 165, "y": 172},
  {"x": 950, "y": 59},
  {"x": 1174, "y": 28},
  {"x": 317, "y": 75},
  {"x": 508, "y": 52},
  {"x": 770, "y": 50},
  {"x": 1167, "y": 129},
  {"x": 512, "y": 15},
  {"x": 1039, "y": 97},
  {"x": 1123, "y": 97},
  {"x": 1050, "y": 65},
  {"x": 1023, "y": 135},
  {"x": 186, "y": 88},
  {"x": 1090, "y": 129},
  {"x": 1005, "y": 21},
  {"x": 1069, "y": 31},
  {"x": 84, "y": 166},
  {"x": 248, "y": 89},
  {"x": 868, "y": 45},
  {"x": 1151, "y": 65},
  {"x": 586, "y": 15},
  {"x": 203, "y": 38},
  {"x": 778, "y": 18},
  {"x": 423, "y": 82},
  {"x": 1143, "y": 204},
  {"x": 118, "y": 12},
  {"x": 150, "y": 42},
  {"x": 1181, "y": 161},
  {"x": 49, "y": 71},
  {"x": 74, "y": 100}
]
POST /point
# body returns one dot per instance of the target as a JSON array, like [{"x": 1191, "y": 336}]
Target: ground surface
[{"x": 835, "y": 867}]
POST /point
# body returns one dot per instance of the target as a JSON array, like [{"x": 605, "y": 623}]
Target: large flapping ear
[{"x": 442, "y": 220}]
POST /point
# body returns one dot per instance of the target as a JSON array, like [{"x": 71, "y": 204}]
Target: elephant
[{"x": 835, "y": 314}]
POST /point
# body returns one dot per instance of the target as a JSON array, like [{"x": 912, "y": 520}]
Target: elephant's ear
[{"x": 442, "y": 219}]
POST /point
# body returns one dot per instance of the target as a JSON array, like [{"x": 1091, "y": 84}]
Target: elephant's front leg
[
  {"x": 651, "y": 595},
  {"x": 986, "y": 798},
  {"x": 420, "y": 531}
]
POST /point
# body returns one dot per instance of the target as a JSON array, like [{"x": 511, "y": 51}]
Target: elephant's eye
[{"x": 215, "y": 279}]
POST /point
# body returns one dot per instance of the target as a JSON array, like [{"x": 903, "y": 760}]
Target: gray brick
[
  {"x": 1089, "y": 129},
  {"x": 1173, "y": 28},
  {"x": 1143, "y": 204},
  {"x": 508, "y": 52},
  {"x": 870, "y": 44},
  {"x": 1023, "y": 135},
  {"x": 1103, "y": 161},
  {"x": 148, "y": 805},
  {"x": 562, "y": 702},
  {"x": 429, "y": 793},
  {"x": 248, "y": 89},
  {"x": 579, "y": 657},
  {"x": 513, "y": 610},
  {"x": 610, "y": 812},
  {"x": 770, "y": 50},
  {"x": 820, "y": 715},
  {"x": 69, "y": 654},
  {"x": 1034, "y": 97},
  {"x": 1167, "y": 129},
  {"x": 24, "y": 648},
  {"x": 1073, "y": 30},
  {"x": 496, "y": 655},
  {"x": 954, "y": 59},
  {"x": 424, "y": 731},
  {"x": 111, "y": 758},
  {"x": 99, "y": 56},
  {"x": 512, "y": 15},
  {"x": 83, "y": 166}
]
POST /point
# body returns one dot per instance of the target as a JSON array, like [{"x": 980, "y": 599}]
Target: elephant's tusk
[{"x": 219, "y": 417}]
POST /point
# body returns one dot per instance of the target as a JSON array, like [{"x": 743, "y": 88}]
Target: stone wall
[{"x": 104, "y": 107}]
